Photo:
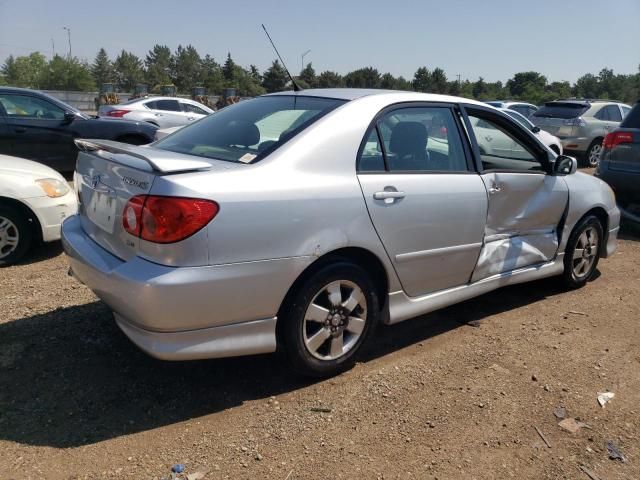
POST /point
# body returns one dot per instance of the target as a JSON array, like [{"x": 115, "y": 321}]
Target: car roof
[{"x": 356, "y": 93}]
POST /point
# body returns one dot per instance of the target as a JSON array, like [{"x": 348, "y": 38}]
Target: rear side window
[
  {"x": 249, "y": 130},
  {"x": 614, "y": 113},
  {"x": 561, "y": 110},
  {"x": 150, "y": 105},
  {"x": 415, "y": 139},
  {"x": 632, "y": 120},
  {"x": 168, "y": 105}
]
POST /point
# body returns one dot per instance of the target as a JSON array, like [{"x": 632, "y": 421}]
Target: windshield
[
  {"x": 249, "y": 130},
  {"x": 561, "y": 110}
]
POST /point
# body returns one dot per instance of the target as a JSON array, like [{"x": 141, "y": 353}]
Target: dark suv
[
  {"x": 620, "y": 163},
  {"x": 38, "y": 127}
]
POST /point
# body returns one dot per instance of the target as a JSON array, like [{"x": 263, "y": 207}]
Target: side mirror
[
  {"x": 535, "y": 129},
  {"x": 69, "y": 117},
  {"x": 565, "y": 165}
]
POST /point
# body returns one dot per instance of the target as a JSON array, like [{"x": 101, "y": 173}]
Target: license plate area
[{"x": 101, "y": 210}]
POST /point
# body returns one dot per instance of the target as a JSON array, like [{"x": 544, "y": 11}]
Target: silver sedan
[
  {"x": 300, "y": 221},
  {"x": 162, "y": 112}
]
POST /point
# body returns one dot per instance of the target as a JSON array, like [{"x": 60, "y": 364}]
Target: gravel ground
[{"x": 454, "y": 394}]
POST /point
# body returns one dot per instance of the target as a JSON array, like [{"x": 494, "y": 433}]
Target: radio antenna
[{"x": 296, "y": 87}]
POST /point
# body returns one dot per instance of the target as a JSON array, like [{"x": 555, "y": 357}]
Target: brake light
[
  {"x": 616, "y": 138},
  {"x": 117, "y": 113},
  {"x": 166, "y": 219}
]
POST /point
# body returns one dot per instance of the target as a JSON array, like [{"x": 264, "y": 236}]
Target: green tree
[
  {"x": 249, "y": 82},
  {"x": 212, "y": 77},
  {"x": 439, "y": 81},
  {"x": 422, "y": 80},
  {"x": 328, "y": 79},
  {"x": 128, "y": 68},
  {"x": 308, "y": 75},
  {"x": 229, "y": 69},
  {"x": 25, "y": 71},
  {"x": 158, "y": 67},
  {"x": 275, "y": 78},
  {"x": 367, "y": 77},
  {"x": 64, "y": 73},
  {"x": 186, "y": 68},
  {"x": 587, "y": 86},
  {"x": 479, "y": 89},
  {"x": 102, "y": 68},
  {"x": 533, "y": 83}
]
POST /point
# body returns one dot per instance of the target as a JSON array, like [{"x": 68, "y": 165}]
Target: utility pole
[
  {"x": 53, "y": 48},
  {"x": 69, "y": 37},
  {"x": 302, "y": 59}
]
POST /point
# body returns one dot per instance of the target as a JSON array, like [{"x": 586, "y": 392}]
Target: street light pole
[
  {"x": 69, "y": 37},
  {"x": 302, "y": 59}
]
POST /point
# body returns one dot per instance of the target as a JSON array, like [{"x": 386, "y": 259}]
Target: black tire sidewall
[
  {"x": 293, "y": 313},
  {"x": 569, "y": 278},
  {"x": 24, "y": 231}
]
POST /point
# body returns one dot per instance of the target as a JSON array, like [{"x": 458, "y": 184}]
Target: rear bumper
[
  {"x": 575, "y": 144},
  {"x": 185, "y": 312}
]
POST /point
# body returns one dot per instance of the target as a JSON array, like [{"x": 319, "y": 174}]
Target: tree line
[{"x": 185, "y": 69}]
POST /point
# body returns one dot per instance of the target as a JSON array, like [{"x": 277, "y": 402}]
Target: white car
[
  {"x": 34, "y": 200},
  {"x": 162, "y": 112},
  {"x": 545, "y": 137}
]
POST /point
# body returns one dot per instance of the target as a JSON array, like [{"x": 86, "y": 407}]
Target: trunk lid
[{"x": 107, "y": 175}]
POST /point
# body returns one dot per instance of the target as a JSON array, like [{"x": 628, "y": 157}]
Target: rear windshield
[
  {"x": 561, "y": 110},
  {"x": 632, "y": 120},
  {"x": 249, "y": 130}
]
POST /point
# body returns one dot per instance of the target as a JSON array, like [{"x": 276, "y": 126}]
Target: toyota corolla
[{"x": 301, "y": 220}]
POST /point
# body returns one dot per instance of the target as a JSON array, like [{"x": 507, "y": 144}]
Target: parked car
[
  {"x": 523, "y": 108},
  {"x": 370, "y": 206},
  {"x": 619, "y": 164},
  {"x": 162, "y": 112},
  {"x": 39, "y": 127},
  {"x": 549, "y": 140},
  {"x": 34, "y": 199},
  {"x": 163, "y": 132},
  {"x": 581, "y": 125}
]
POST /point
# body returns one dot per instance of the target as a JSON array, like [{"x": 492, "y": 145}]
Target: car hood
[{"x": 22, "y": 167}]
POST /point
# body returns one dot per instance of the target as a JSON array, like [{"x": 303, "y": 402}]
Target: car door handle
[
  {"x": 388, "y": 196},
  {"x": 191, "y": 118}
]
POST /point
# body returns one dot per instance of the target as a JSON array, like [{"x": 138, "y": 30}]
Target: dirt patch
[{"x": 460, "y": 393}]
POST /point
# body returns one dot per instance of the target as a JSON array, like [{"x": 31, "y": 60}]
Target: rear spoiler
[{"x": 156, "y": 160}]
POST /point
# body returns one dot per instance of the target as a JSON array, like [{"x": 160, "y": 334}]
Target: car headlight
[{"x": 53, "y": 187}]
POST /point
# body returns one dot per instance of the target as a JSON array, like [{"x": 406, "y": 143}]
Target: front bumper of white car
[{"x": 51, "y": 212}]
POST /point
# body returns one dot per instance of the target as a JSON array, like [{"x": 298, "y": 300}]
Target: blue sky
[{"x": 488, "y": 38}]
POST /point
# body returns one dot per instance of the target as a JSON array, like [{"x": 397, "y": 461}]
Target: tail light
[
  {"x": 616, "y": 138},
  {"x": 575, "y": 122},
  {"x": 117, "y": 113},
  {"x": 166, "y": 219}
]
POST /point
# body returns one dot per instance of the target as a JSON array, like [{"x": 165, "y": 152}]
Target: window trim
[
  {"x": 452, "y": 107},
  {"x": 520, "y": 133}
]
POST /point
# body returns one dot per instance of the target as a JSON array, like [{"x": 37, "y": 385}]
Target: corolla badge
[{"x": 135, "y": 182}]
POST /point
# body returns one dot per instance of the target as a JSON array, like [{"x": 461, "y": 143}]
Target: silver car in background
[
  {"x": 162, "y": 112},
  {"x": 523, "y": 108},
  {"x": 301, "y": 220},
  {"x": 581, "y": 125}
]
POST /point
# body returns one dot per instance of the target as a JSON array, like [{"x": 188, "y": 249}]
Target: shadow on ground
[{"x": 70, "y": 377}]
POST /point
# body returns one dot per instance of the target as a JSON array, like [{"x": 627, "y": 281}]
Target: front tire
[
  {"x": 16, "y": 235},
  {"x": 329, "y": 318},
  {"x": 583, "y": 252}
]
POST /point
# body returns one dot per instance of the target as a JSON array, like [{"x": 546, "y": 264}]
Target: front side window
[
  {"x": 25, "y": 106},
  {"x": 422, "y": 139},
  {"x": 500, "y": 149},
  {"x": 249, "y": 130},
  {"x": 190, "y": 108}
]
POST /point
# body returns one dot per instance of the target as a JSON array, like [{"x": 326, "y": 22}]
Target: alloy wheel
[
  {"x": 334, "y": 320},
  {"x": 585, "y": 253},
  {"x": 594, "y": 154},
  {"x": 9, "y": 237}
]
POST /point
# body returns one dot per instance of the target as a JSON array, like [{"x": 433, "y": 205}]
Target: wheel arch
[
  {"x": 362, "y": 257},
  {"x": 33, "y": 219}
]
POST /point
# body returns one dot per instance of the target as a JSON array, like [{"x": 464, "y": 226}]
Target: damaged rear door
[{"x": 526, "y": 201}]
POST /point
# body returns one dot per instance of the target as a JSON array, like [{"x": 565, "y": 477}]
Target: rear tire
[
  {"x": 592, "y": 156},
  {"x": 16, "y": 235},
  {"x": 583, "y": 252},
  {"x": 328, "y": 319}
]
